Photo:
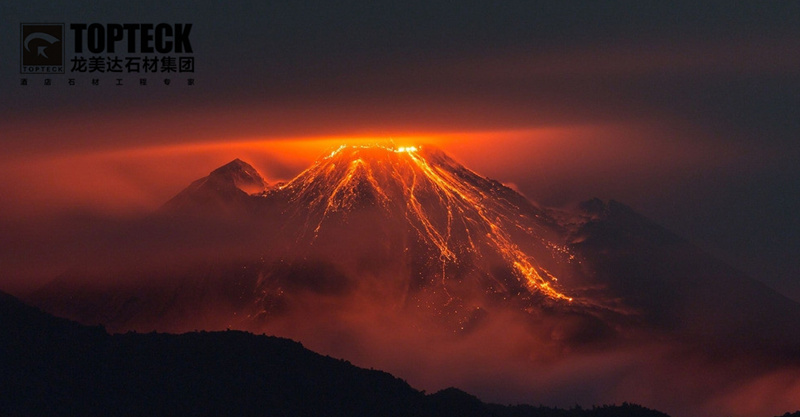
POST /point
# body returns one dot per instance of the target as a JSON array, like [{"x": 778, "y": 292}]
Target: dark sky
[{"x": 689, "y": 113}]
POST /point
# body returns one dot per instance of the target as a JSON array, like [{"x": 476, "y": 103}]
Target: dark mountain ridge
[
  {"x": 51, "y": 366},
  {"x": 682, "y": 288}
]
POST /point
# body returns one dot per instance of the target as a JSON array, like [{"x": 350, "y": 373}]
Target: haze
[{"x": 688, "y": 113}]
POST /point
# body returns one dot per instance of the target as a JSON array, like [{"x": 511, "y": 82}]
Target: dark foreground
[{"x": 52, "y": 366}]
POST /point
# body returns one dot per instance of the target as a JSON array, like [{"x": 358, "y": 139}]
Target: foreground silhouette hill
[{"x": 53, "y": 366}]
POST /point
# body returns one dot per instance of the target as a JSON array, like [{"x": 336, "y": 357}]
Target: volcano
[
  {"x": 408, "y": 225},
  {"x": 414, "y": 228},
  {"x": 375, "y": 247}
]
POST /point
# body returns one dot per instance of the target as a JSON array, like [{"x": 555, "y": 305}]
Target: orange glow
[
  {"x": 465, "y": 205},
  {"x": 140, "y": 178},
  {"x": 126, "y": 179}
]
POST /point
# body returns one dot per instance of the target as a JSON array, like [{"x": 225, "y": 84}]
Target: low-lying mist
[{"x": 503, "y": 355}]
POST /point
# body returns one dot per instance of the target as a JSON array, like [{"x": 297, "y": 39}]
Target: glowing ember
[{"x": 406, "y": 149}]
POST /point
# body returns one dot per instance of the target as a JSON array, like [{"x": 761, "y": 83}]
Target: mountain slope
[
  {"x": 455, "y": 216},
  {"x": 425, "y": 232},
  {"x": 682, "y": 288},
  {"x": 224, "y": 191}
]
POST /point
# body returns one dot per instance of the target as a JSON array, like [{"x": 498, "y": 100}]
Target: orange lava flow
[{"x": 413, "y": 177}]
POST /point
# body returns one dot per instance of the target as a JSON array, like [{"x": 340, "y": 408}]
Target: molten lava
[{"x": 449, "y": 207}]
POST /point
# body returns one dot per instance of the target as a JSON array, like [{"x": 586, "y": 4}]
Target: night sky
[{"x": 688, "y": 113}]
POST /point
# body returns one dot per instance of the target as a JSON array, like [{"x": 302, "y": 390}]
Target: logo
[
  {"x": 119, "y": 54},
  {"x": 42, "y": 48}
]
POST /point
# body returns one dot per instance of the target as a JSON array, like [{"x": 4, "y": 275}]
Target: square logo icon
[{"x": 42, "y": 48}]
